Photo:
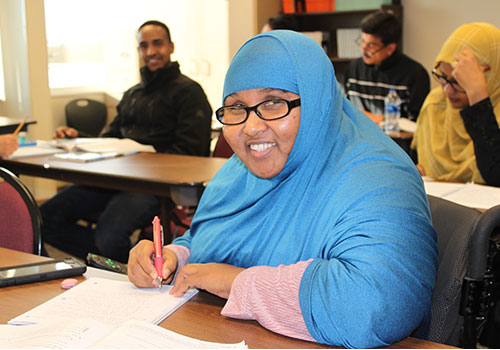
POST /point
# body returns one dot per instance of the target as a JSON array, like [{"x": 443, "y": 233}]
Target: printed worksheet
[
  {"x": 108, "y": 301},
  {"x": 86, "y": 333}
]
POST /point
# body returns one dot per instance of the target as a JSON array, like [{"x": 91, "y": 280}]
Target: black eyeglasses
[
  {"x": 443, "y": 80},
  {"x": 273, "y": 109},
  {"x": 372, "y": 47}
]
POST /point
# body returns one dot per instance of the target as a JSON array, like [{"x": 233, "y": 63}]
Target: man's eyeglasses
[
  {"x": 372, "y": 47},
  {"x": 443, "y": 80},
  {"x": 267, "y": 110}
]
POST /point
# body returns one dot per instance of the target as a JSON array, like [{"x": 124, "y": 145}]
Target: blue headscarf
[{"x": 348, "y": 197}]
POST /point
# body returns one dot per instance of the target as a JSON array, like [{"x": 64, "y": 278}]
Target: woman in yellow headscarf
[{"x": 457, "y": 135}]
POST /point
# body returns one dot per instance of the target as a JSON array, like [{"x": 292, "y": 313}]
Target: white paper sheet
[
  {"x": 83, "y": 333},
  {"x": 35, "y": 150},
  {"x": 109, "y": 301},
  {"x": 469, "y": 194},
  {"x": 407, "y": 125}
]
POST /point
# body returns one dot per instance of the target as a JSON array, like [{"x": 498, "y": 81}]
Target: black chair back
[
  {"x": 87, "y": 116},
  {"x": 462, "y": 294}
]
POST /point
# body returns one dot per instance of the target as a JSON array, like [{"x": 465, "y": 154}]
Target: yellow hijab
[{"x": 444, "y": 147}]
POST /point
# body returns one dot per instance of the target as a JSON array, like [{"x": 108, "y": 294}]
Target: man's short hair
[
  {"x": 156, "y": 23},
  {"x": 384, "y": 25},
  {"x": 283, "y": 22}
]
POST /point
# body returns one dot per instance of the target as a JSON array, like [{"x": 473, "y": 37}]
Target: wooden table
[
  {"x": 152, "y": 173},
  {"x": 402, "y": 138},
  {"x": 199, "y": 318},
  {"x": 9, "y": 125}
]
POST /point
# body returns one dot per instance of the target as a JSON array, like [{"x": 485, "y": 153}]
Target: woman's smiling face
[{"x": 263, "y": 145}]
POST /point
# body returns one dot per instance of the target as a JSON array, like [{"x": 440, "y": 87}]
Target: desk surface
[
  {"x": 151, "y": 173},
  {"x": 180, "y": 177},
  {"x": 199, "y": 318}
]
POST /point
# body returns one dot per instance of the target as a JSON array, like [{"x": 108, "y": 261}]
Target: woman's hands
[
  {"x": 470, "y": 75},
  {"x": 8, "y": 144},
  {"x": 141, "y": 270},
  {"x": 213, "y": 277}
]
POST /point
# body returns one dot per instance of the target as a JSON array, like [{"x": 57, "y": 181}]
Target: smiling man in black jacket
[{"x": 166, "y": 110}]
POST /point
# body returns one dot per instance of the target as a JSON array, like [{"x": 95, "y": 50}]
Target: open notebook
[
  {"x": 100, "y": 145},
  {"x": 103, "y": 313},
  {"x": 83, "y": 333},
  {"x": 83, "y": 149}
]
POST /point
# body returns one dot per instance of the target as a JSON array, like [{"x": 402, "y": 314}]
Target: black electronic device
[
  {"x": 104, "y": 263},
  {"x": 41, "y": 271}
]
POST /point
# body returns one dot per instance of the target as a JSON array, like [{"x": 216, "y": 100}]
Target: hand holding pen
[
  {"x": 19, "y": 127},
  {"x": 8, "y": 144},
  {"x": 141, "y": 269},
  {"x": 158, "y": 246}
]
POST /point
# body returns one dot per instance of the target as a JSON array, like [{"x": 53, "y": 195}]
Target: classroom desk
[
  {"x": 402, "y": 138},
  {"x": 9, "y": 125},
  {"x": 199, "y": 318},
  {"x": 152, "y": 173}
]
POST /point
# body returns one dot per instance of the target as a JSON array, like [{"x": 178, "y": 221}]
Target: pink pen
[{"x": 158, "y": 245}]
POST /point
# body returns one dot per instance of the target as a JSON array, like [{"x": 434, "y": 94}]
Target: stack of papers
[
  {"x": 90, "y": 334},
  {"x": 467, "y": 194},
  {"x": 34, "y": 151},
  {"x": 83, "y": 149},
  {"x": 84, "y": 157},
  {"x": 407, "y": 125},
  {"x": 101, "y": 145},
  {"x": 102, "y": 313}
]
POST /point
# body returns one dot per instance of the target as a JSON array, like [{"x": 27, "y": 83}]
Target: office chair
[
  {"x": 20, "y": 220},
  {"x": 222, "y": 148},
  {"x": 87, "y": 116},
  {"x": 181, "y": 216},
  {"x": 463, "y": 295}
]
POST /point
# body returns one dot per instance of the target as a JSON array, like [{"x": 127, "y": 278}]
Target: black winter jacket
[{"x": 166, "y": 110}]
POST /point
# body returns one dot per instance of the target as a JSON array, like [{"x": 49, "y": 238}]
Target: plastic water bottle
[
  {"x": 21, "y": 137},
  {"x": 392, "y": 112}
]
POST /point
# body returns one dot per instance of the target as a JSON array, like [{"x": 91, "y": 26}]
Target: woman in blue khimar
[{"x": 318, "y": 227}]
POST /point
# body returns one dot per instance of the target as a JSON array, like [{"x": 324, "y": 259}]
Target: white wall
[
  {"x": 428, "y": 23},
  {"x": 199, "y": 30},
  {"x": 15, "y": 59},
  {"x": 241, "y": 23}
]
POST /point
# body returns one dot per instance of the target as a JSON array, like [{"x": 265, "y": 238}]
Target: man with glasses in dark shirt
[{"x": 382, "y": 67}]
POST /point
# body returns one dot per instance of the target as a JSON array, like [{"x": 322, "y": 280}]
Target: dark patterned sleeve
[{"x": 481, "y": 124}]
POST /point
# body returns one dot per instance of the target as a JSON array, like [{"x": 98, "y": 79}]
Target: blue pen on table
[{"x": 24, "y": 144}]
